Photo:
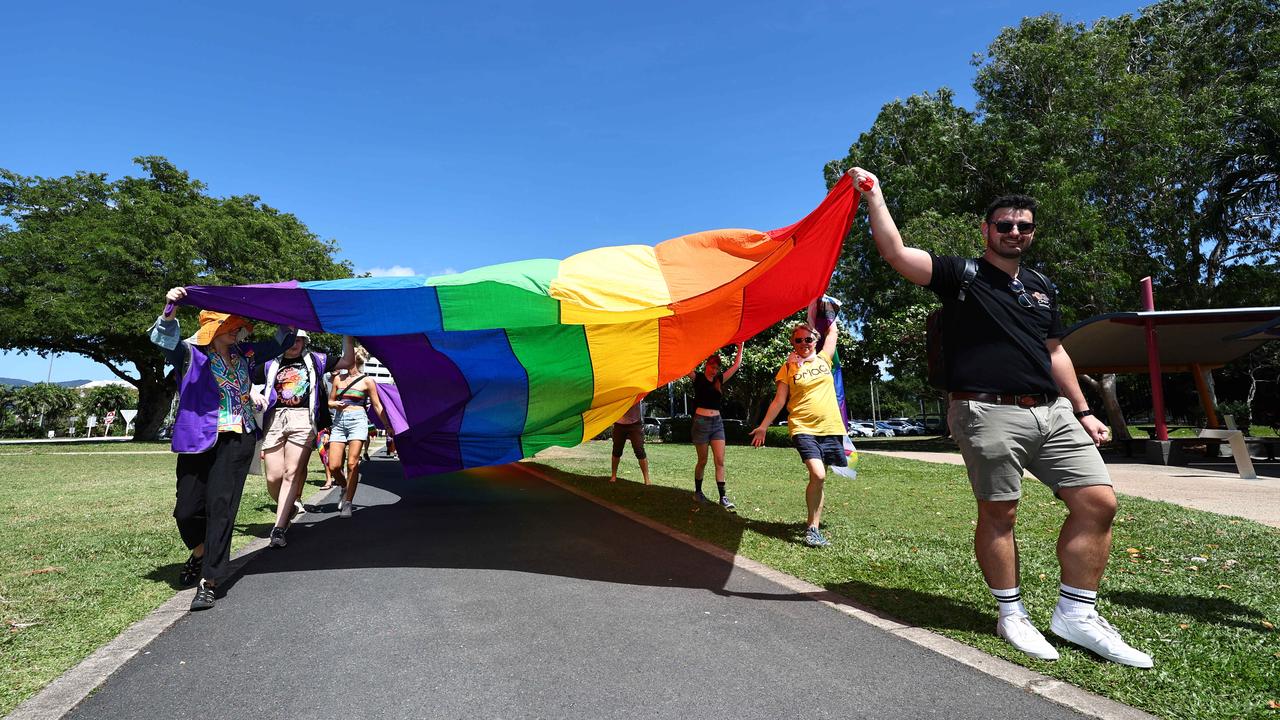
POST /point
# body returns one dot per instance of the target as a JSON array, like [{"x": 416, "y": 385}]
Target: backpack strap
[
  {"x": 970, "y": 272},
  {"x": 1053, "y": 289}
]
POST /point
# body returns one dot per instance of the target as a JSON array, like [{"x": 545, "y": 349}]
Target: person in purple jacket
[{"x": 214, "y": 434}]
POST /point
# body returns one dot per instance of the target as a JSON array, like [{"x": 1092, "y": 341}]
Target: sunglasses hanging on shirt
[{"x": 1024, "y": 299}]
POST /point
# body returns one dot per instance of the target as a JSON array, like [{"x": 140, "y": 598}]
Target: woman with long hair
[
  {"x": 352, "y": 390},
  {"x": 708, "y": 426}
]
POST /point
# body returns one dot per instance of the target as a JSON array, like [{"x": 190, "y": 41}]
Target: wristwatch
[{"x": 1082, "y": 413}]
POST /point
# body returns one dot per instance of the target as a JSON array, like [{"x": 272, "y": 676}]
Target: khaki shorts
[
  {"x": 289, "y": 424},
  {"x": 1000, "y": 442}
]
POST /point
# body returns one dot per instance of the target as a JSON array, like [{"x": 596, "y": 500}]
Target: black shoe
[
  {"x": 204, "y": 598},
  {"x": 190, "y": 572},
  {"x": 277, "y": 537}
]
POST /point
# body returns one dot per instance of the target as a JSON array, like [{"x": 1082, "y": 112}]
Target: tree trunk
[
  {"x": 155, "y": 394},
  {"x": 1111, "y": 404}
]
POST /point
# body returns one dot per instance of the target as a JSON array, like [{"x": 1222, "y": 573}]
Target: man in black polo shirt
[{"x": 1015, "y": 405}]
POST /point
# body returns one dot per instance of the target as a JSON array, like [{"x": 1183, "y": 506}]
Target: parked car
[
  {"x": 885, "y": 428},
  {"x": 904, "y": 427},
  {"x": 861, "y": 429}
]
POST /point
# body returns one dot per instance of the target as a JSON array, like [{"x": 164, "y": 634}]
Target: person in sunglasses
[
  {"x": 1016, "y": 405},
  {"x": 807, "y": 387}
]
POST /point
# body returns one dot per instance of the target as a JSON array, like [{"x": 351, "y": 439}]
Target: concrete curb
[{"x": 1077, "y": 699}]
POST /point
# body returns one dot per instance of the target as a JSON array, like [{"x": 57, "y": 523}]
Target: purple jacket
[{"x": 195, "y": 428}]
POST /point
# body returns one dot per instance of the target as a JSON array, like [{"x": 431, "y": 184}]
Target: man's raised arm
[{"x": 911, "y": 263}]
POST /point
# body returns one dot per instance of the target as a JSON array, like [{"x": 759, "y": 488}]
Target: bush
[
  {"x": 1240, "y": 410},
  {"x": 777, "y": 436},
  {"x": 679, "y": 429}
]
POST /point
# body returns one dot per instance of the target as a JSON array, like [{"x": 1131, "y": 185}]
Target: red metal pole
[{"x": 1153, "y": 361}]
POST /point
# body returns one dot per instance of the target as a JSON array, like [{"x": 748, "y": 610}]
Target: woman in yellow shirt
[{"x": 806, "y": 387}]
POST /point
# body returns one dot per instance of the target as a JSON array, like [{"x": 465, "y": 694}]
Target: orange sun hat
[{"x": 213, "y": 324}]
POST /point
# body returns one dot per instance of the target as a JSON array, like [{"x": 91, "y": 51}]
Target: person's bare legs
[
  {"x": 273, "y": 467},
  {"x": 717, "y": 452},
  {"x": 994, "y": 544},
  {"x": 813, "y": 493},
  {"x": 294, "y": 456},
  {"x": 338, "y": 458},
  {"x": 700, "y": 466},
  {"x": 644, "y": 469},
  {"x": 613, "y": 470},
  {"x": 354, "y": 450},
  {"x": 1084, "y": 543}
]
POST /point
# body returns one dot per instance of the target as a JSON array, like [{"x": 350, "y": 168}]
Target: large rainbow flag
[{"x": 497, "y": 363}]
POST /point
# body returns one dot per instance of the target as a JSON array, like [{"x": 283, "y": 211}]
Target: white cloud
[
  {"x": 448, "y": 271},
  {"x": 393, "y": 271}
]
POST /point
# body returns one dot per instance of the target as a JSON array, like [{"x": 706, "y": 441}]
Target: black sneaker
[
  {"x": 277, "y": 537},
  {"x": 190, "y": 571},
  {"x": 204, "y": 598}
]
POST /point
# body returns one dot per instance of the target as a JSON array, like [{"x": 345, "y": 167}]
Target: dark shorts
[
  {"x": 707, "y": 428},
  {"x": 622, "y": 432},
  {"x": 827, "y": 448}
]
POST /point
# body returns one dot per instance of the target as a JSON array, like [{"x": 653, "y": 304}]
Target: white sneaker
[
  {"x": 1094, "y": 633},
  {"x": 1019, "y": 631},
  {"x": 298, "y": 508},
  {"x": 344, "y": 509}
]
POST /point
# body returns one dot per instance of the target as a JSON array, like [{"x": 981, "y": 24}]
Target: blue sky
[{"x": 436, "y": 137}]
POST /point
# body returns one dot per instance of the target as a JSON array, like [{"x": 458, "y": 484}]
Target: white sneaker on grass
[
  {"x": 1092, "y": 632},
  {"x": 1021, "y": 633}
]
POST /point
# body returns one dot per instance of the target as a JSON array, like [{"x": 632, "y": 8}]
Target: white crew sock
[
  {"x": 1010, "y": 601},
  {"x": 1074, "y": 602}
]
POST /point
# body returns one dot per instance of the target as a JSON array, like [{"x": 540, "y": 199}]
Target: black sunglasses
[
  {"x": 1026, "y": 228},
  {"x": 807, "y": 339},
  {"x": 1023, "y": 298}
]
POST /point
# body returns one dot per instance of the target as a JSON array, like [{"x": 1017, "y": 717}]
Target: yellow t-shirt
[{"x": 812, "y": 408}]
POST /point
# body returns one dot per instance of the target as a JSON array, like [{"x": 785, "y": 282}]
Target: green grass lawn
[
  {"x": 89, "y": 546},
  {"x": 1198, "y": 591}
]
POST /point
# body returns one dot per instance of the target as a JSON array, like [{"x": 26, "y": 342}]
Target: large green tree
[
  {"x": 84, "y": 263},
  {"x": 1152, "y": 141}
]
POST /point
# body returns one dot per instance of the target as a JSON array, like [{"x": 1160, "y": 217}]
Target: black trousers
[{"x": 208, "y": 498}]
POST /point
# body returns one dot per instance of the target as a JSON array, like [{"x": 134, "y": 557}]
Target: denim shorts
[
  {"x": 707, "y": 428},
  {"x": 350, "y": 425},
  {"x": 827, "y": 448}
]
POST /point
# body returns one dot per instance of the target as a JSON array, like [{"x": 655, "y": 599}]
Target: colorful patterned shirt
[{"x": 235, "y": 409}]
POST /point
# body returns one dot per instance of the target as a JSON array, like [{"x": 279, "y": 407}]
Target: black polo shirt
[{"x": 991, "y": 342}]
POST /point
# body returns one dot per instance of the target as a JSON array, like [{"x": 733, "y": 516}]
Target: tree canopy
[
  {"x": 84, "y": 262},
  {"x": 1152, "y": 142}
]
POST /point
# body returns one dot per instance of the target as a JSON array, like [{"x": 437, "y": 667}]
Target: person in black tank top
[{"x": 708, "y": 427}]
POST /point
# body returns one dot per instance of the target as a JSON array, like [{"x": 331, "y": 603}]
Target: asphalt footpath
[{"x": 493, "y": 594}]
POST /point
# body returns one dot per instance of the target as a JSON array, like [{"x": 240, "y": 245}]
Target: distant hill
[{"x": 15, "y": 382}]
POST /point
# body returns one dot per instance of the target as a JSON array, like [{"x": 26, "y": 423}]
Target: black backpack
[{"x": 933, "y": 331}]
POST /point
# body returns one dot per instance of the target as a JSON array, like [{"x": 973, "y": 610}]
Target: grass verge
[
  {"x": 89, "y": 547},
  {"x": 1200, "y": 592}
]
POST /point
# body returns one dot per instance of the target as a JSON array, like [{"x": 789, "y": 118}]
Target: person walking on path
[
  {"x": 806, "y": 387},
  {"x": 347, "y": 398},
  {"x": 214, "y": 434},
  {"x": 708, "y": 425},
  {"x": 630, "y": 427},
  {"x": 296, "y": 403},
  {"x": 1015, "y": 405}
]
